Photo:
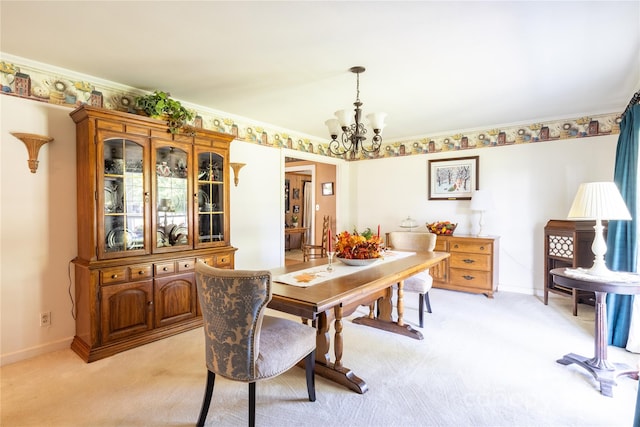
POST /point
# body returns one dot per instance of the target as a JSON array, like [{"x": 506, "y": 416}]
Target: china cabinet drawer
[
  {"x": 140, "y": 271},
  {"x": 209, "y": 260},
  {"x": 187, "y": 264},
  {"x": 165, "y": 268},
  {"x": 223, "y": 261},
  {"x": 469, "y": 278},
  {"x": 470, "y": 261},
  {"x": 109, "y": 276}
]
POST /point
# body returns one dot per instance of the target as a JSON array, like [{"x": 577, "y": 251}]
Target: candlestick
[
  {"x": 329, "y": 240},
  {"x": 378, "y": 231}
]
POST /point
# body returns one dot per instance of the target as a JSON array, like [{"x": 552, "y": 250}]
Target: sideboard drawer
[
  {"x": 470, "y": 261},
  {"x": 469, "y": 246},
  {"x": 469, "y": 278}
]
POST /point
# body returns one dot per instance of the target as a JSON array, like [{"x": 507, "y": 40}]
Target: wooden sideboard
[{"x": 472, "y": 266}]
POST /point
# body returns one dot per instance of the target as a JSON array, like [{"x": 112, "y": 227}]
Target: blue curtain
[{"x": 622, "y": 247}]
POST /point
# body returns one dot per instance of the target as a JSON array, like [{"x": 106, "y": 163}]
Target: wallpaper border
[{"x": 43, "y": 83}]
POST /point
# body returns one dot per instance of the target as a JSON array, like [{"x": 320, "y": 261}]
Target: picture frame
[
  {"x": 453, "y": 179},
  {"x": 327, "y": 188}
]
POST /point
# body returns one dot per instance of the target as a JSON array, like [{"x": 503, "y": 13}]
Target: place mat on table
[{"x": 318, "y": 274}]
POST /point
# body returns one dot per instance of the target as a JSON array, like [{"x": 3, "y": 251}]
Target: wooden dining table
[{"x": 334, "y": 299}]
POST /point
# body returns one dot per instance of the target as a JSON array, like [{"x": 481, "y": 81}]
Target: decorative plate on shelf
[
  {"x": 358, "y": 262},
  {"x": 118, "y": 237}
]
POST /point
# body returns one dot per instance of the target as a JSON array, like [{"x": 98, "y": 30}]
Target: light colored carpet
[{"x": 483, "y": 362}]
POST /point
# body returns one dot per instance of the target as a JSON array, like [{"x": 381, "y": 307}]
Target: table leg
[
  {"x": 324, "y": 367},
  {"x": 603, "y": 371}
]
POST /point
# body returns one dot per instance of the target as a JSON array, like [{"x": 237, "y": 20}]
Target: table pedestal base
[
  {"x": 405, "y": 330},
  {"x": 604, "y": 372}
]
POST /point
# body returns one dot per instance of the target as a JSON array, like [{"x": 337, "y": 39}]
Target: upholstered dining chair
[
  {"x": 421, "y": 282},
  {"x": 243, "y": 344},
  {"x": 317, "y": 251}
]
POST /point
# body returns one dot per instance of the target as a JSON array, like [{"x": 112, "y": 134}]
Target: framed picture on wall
[
  {"x": 327, "y": 188},
  {"x": 453, "y": 179}
]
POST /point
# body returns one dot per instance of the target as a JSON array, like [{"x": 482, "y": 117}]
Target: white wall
[
  {"x": 37, "y": 229},
  {"x": 530, "y": 183}
]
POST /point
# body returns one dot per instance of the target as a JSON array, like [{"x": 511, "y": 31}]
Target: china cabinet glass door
[
  {"x": 171, "y": 191},
  {"x": 123, "y": 199},
  {"x": 210, "y": 199}
]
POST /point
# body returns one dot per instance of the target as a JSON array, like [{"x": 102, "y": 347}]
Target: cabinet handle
[
  {"x": 165, "y": 269},
  {"x": 141, "y": 272},
  {"x": 467, "y": 277},
  {"x": 455, "y": 246},
  {"x": 187, "y": 266},
  {"x": 146, "y": 196},
  {"x": 482, "y": 248},
  {"x": 114, "y": 276}
]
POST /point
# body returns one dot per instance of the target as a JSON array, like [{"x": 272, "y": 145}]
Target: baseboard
[
  {"x": 517, "y": 290},
  {"x": 28, "y": 353}
]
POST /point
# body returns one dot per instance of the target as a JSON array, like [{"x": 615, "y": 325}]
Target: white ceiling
[{"x": 432, "y": 66}]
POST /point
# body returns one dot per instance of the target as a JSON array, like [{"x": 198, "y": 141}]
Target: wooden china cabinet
[{"x": 150, "y": 204}]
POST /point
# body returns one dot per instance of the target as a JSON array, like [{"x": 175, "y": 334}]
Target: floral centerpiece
[{"x": 358, "y": 246}]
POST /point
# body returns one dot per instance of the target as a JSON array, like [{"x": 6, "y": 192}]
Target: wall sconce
[
  {"x": 236, "y": 171},
  {"x": 33, "y": 143}
]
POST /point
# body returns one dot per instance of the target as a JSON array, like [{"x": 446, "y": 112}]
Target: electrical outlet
[{"x": 45, "y": 318}]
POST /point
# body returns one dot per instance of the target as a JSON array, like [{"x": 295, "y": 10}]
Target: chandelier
[{"x": 353, "y": 136}]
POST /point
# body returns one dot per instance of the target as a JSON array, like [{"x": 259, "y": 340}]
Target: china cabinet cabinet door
[
  {"x": 211, "y": 223},
  {"x": 123, "y": 197},
  {"x": 172, "y": 205},
  {"x": 127, "y": 309},
  {"x": 175, "y": 299}
]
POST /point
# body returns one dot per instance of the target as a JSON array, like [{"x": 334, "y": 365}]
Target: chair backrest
[
  {"x": 325, "y": 227},
  {"x": 411, "y": 241},
  {"x": 233, "y": 304}
]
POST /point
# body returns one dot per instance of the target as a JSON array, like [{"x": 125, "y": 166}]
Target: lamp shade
[
  {"x": 345, "y": 117},
  {"x": 599, "y": 200},
  {"x": 334, "y": 126},
  {"x": 481, "y": 200},
  {"x": 376, "y": 120}
]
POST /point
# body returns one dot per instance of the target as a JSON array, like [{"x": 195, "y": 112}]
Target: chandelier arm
[{"x": 340, "y": 148}]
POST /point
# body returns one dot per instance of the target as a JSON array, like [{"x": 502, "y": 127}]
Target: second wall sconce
[
  {"x": 236, "y": 171},
  {"x": 33, "y": 143}
]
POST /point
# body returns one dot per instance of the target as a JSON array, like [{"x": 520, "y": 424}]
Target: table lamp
[
  {"x": 481, "y": 201},
  {"x": 598, "y": 201}
]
